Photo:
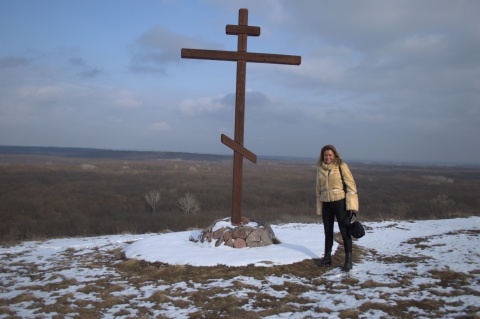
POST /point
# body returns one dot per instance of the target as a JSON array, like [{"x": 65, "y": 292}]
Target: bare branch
[
  {"x": 153, "y": 199},
  {"x": 189, "y": 204}
]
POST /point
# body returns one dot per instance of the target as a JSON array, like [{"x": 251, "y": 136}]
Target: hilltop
[{"x": 402, "y": 269}]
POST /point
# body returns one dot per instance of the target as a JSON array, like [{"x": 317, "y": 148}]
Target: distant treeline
[{"x": 73, "y": 152}]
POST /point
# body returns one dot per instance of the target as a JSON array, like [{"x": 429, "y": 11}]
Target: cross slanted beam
[{"x": 241, "y": 56}]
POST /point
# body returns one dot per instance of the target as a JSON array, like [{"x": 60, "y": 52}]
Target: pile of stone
[{"x": 250, "y": 233}]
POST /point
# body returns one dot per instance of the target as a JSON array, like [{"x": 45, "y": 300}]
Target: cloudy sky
[{"x": 381, "y": 80}]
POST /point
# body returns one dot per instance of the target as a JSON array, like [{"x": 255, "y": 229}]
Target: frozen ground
[{"x": 425, "y": 269}]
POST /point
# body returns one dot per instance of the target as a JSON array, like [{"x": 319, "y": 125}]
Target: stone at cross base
[{"x": 251, "y": 233}]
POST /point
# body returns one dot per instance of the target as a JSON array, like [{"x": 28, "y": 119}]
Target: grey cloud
[
  {"x": 252, "y": 99},
  {"x": 84, "y": 70},
  {"x": 368, "y": 24},
  {"x": 396, "y": 42},
  {"x": 158, "y": 47},
  {"x": 90, "y": 73},
  {"x": 407, "y": 61},
  {"x": 257, "y": 99},
  {"x": 76, "y": 61},
  {"x": 258, "y": 106},
  {"x": 263, "y": 108},
  {"x": 141, "y": 67},
  {"x": 13, "y": 61}
]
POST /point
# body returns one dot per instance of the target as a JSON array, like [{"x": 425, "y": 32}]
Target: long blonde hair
[{"x": 338, "y": 160}]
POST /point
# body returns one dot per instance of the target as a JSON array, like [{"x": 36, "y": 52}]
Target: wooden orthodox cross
[{"x": 241, "y": 57}]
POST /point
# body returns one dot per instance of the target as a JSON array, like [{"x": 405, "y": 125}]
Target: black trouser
[{"x": 330, "y": 210}]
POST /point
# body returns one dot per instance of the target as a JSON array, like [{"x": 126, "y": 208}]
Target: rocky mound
[{"x": 251, "y": 233}]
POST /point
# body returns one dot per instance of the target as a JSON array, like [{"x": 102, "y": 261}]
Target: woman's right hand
[{"x": 348, "y": 219}]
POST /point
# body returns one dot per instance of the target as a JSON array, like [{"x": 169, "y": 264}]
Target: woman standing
[{"x": 336, "y": 198}]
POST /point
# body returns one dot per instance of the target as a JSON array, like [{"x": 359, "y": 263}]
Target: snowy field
[{"x": 420, "y": 269}]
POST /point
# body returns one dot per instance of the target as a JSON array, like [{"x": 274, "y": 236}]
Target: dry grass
[
  {"x": 222, "y": 292},
  {"x": 61, "y": 198}
]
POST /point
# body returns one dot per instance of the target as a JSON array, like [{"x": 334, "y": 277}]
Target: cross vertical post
[
  {"x": 242, "y": 30},
  {"x": 239, "y": 123}
]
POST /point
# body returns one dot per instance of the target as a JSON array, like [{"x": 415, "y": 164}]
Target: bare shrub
[
  {"x": 399, "y": 210},
  {"x": 437, "y": 180},
  {"x": 153, "y": 199},
  {"x": 442, "y": 206},
  {"x": 88, "y": 166},
  {"x": 189, "y": 203}
]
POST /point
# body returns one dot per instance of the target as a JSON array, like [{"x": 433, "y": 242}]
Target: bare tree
[
  {"x": 443, "y": 207},
  {"x": 153, "y": 199},
  {"x": 400, "y": 210},
  {"x": 189, "y": 203}
]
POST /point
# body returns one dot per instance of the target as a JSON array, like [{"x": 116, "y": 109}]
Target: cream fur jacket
[{"x": 330, "y": 186}]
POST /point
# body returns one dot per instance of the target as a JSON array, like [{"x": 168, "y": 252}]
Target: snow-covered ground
[{"x": 404, "y": 261}]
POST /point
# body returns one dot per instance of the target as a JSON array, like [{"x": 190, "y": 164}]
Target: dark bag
[{"x": 356, "y": 229}]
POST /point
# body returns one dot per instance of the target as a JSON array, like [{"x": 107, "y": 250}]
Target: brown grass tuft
[
  {"x": 110, "y": 301},
  {"x": 449, "y": 278},
  {"x": 25, "y": 297},
  {"x": 348, "y": 313}
]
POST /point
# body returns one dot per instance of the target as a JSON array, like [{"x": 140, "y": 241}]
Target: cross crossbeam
[
  {"x": 241, "y": 56},
  {"x": 235, "y": 56}
]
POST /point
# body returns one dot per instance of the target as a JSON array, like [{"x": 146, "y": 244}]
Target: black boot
[
  {"x": 327, "y": 259},
  {"x": 348, "y": 262}
]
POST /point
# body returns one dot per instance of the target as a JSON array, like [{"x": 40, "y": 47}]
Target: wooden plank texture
[
  {"x": 245, "y": 56},
  {"x": 239, "y": 148},
  {"x": 242, "y": 29}
]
